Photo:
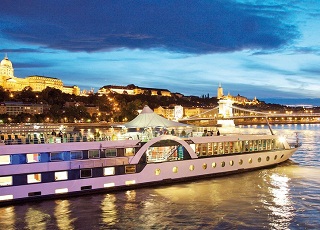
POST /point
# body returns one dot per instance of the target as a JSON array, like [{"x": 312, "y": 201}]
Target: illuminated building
[
  {"x": 15, "y": 108},
  {"x": 133, "y": 90},
  {"x": 38, "y": 83}
]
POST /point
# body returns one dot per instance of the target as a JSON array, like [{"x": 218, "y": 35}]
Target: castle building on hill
[
  {"x": 38, "y": 83},
  {"x": 133, "y": 90},
  {"x": 236, "y": 99}
]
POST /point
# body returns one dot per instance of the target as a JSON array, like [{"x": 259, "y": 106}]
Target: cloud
[{"x": 180, "y": 26}]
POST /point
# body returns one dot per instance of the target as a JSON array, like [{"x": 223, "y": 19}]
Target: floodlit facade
[{"x": 38, "y": 83}]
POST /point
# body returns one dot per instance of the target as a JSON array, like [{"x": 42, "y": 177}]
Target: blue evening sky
[{"x": 253, "y": 48}]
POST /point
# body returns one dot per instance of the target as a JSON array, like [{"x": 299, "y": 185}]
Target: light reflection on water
[{"x": 284, "y": 197}]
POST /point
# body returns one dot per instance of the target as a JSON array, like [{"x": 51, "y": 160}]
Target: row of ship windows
[
  {"x": 108, "y": 171},
  {"x": 223, "y": 164},
  {"x": 68, "y": 155},
  {"x": 63, "y": 175}
]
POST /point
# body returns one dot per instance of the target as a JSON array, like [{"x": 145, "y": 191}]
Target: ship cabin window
[
  {"x": 5, "y": 180},
  {"x": 110, "y": 152},
  {"x": 33, "y": 157},
  {"x": 6, "y": 197},
  {"x": 5, "y": 159},
  {"x": 130, "y": 169},
  {"x": 85, "y": 173},
  {"x": 57, "y": 156},
  {"x": 129, "y": 152},
  {"x": 108, "y": 171},
  {"x": 34, "y": 178},
  {"x": 76, "y": 155},
  {"x": 94, "y": 153},
  {"x": 157, "y": 172},
  {"x": 63, "y": 175},
  {"x": 61, "y": 190}
]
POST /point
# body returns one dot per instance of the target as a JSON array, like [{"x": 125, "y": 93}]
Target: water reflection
[
  {"x": 109, "y": 211},
  {"x": 7, "y": 217},
  {"x": 62, "y": 215},
  {"x": 36, "y": 219},
  {"x": 281, "y": 205}
]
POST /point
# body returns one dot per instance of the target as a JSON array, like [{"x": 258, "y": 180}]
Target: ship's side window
[
  {"x": 175, "y": 169},
  {"x": 33, "y": 157},
  {"x": 240, "y": 162},
  {"x": 191, "y": 167},
  {"x": 94, "y": 153},
  {"x": 5, "y": 180},
  {"x": 231, "y": 163},
  {"x": 76, "y": 155},
  {"x": 130, "y": 169},
  {"x": 250, "y": 160},
  {"x": 129, "y": 152},
  {"x": 63, "y": 175},
  {"x": 34, "y": 178},
  {"x": 110, "y": 152},
  {"x": 223, "y": 164},
  {"x": 267, "y": 158},
  {"x": 108, "y": 171},
  {"x": 275, "y": 157},
  {"x": 85, "y": 173},
  {"x": 259, "y": 159},
  {"x": 56, "y": 156},
  {"x": 158, "y": 171},
  {"x": 5, "y": 160},
  {"x": 204, "y": 166}
]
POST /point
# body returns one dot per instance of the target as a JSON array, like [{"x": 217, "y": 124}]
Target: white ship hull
[{"x": 234, "y": 159}]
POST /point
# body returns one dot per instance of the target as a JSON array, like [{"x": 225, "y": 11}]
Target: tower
[{"x": 220, "y": 92}]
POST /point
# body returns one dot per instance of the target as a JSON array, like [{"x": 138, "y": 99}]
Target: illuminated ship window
[
  {"x": 130, "y": 182},
  {"x": 191, "y": 167},
  {"x": 231, "y": 163},
  {"x": 275, "y": 157},
  {"x": 63, "y": 175},
  {"x": 108, "y": 171},
  {"x": 110, "y": 152},
  {"x": 240, "y": 162},
  {"x": 6, "y": 197},
  {"x": 5, "y": 180},
  {"x": 213, "y": 165},
  {"x": 76, "y": 155},
  {"x": 267, "y": 158},
  {"x": 5, "y": 160},
  {"x": 33, "y": 157},
  {"x": 204, "y": 166},
  {"x": 130, "y": 169},
  {"x": 108, "y": 185},
  {"x": 34, "y": 178},
  {"x": 250, "y": 160},
  {"x": 85, "y": 173},
  {"x": 94, "y": 153},
  {"x": 157, "y": 172},
  {"x": 175, "y": 169},
  {"x": 223, "y": 164},
  {"x": 129, "y": 152},
  {"x": 259, "y": 159},
  {"x": 61, "y": 190}
]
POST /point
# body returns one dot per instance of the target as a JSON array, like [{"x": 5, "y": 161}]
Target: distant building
[
  {"x": 133, "y": 90},
  {"x": 38, "y": 83},
  {"x": 236, "y": 99},
  {"x": 15, "y": 108}
]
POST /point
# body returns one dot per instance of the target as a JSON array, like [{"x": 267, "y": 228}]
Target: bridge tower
[{"x": 225, "y": 112}]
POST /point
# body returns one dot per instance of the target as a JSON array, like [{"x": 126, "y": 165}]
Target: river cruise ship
[{"x": 31, "y": 171}]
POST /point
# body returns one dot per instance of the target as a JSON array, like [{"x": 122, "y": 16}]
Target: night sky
[{"x": 253, "y": 48}]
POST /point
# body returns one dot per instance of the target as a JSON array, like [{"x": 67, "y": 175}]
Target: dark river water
[{"x": 283, "y": 197}]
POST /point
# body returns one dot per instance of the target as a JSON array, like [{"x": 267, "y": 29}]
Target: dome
[{"x": 6, "y": 62}]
